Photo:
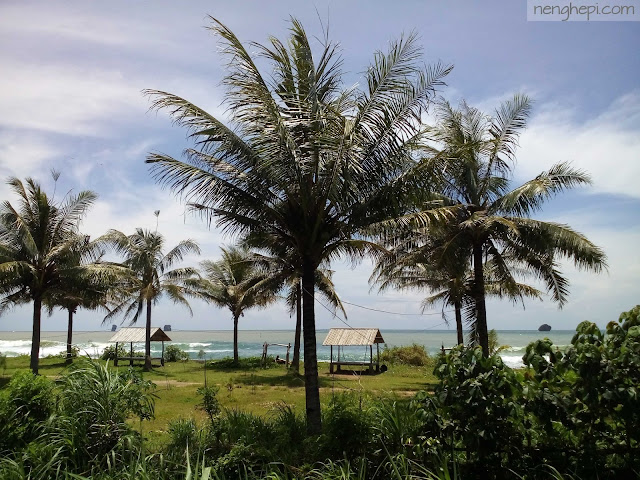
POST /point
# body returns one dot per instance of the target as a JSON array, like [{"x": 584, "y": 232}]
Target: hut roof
[
  {"x": 137, "y": 335},
  {"x": 353, "y": 336}
]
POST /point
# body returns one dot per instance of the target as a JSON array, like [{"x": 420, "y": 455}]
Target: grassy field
[{"x": 250, "y": 387}]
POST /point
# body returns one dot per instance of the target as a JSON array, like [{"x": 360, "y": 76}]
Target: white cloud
[
  {"x": 606, "y": 146},
  {"x": 65, "y": 99}
]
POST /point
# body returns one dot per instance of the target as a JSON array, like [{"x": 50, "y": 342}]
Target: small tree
[
  {"x": 148, "y": 276},
  {"x": 234, "y": 282}
]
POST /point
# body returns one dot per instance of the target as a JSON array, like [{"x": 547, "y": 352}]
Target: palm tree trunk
[
  {"x": 458, "y": 307},
  {"x": 311, "y": 386},
  {"x": 69, "y": 334},
  {"x": 295, "y": 363},
  {"x": 147, "y": 339},
  {"x": 481, "y": 309},
  {"x": 35, "y": 335},
  {"x": 235, "y": 338}
]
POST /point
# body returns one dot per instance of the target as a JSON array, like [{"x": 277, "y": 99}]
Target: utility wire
[{"x": 395, "y": 313}]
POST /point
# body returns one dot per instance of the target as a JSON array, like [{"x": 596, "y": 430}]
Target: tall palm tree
[
  {"x": 38, "y": 241},
  {"x": 306, "y": 166},
  {"x": 234, "y": 282},
  {"x": 449, "y": 280},
  {"x": 473, "y": 158},
  {"x": 149, "y": 276}
]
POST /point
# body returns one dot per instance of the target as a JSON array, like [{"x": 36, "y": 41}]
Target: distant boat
[
  {"x": 114, "y": 328},
  {"x": 167, "y": 328},
  {"x": 544, "y": 328}
]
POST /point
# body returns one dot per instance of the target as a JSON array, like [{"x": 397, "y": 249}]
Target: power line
[{"x": 395, "y": 313}]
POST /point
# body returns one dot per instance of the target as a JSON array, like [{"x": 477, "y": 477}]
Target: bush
[
  {"x": 479, "y": 402},
  {"x": 347, "y": 428},
  {"x": 415, "y": 355},
  {"x": 210, "y": 403},
  {"x": 184, "y": 436},
  {"x": 25, "y": 404},
  {"x": 109, "y": 353},
  {"x": 92, "y": 422},
  {"x": 246, "y": 363},
  {"x": 174, "y": 353}
]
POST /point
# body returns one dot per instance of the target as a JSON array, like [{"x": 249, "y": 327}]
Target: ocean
[{"x": 218, "y": 344}]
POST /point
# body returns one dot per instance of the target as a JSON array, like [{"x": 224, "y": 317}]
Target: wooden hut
[
  {"x": 133, "y": 335},
  {"x": 353, "y": 337}
]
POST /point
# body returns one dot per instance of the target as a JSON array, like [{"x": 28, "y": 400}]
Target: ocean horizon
[{"x": 217, "y": 344}]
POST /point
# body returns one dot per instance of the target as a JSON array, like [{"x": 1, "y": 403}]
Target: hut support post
[
  {"x": 131, "y": 356},
  {"x": 288, "y": 348},
  {"x": 370, "y": 358},
  {"x": 378, "y": 357},
  {"x": 162, "y": 357},
  {"x": 115, "y": 360},
  {"x": 331, "y": 361}
]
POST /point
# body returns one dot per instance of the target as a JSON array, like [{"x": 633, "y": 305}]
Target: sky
[{"x": 70, "y": 100}]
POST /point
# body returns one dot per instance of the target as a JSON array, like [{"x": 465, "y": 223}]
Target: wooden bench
[
  {"x": 137, "y": 359},
  {"x": 339, "y": 364}
]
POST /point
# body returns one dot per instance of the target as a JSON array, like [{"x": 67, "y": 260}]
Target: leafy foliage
[
  {"x": 109, "y": 352},
  {"x": 39, "y": 249},
  {"x": 415, "y": 355},
  {"x": 25, "y": 404},
  {"x": 173, "y": 353}
]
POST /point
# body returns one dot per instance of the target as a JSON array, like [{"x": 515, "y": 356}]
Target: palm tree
[
  {"x": 149, "y": 276},
  {"x": 449, "y": 280},
  {"x": 473, "y": 159},
  {"x": 38, "y": 243},
  {"x": 306, "y": 166},
  {"x": 234, "y": 282},
  {"x": 92, "y": 288}
]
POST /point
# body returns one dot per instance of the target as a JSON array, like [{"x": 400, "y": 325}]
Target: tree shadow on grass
[{"x": 285, "y": 380}]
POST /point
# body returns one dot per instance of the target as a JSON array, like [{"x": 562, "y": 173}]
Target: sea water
[{"x": 218, "y": 344}]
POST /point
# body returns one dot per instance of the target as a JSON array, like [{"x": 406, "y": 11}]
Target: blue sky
[{"x": 72, "y": 73}]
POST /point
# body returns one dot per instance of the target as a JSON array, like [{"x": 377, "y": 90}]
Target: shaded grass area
[{"x": 247, "y": 387}]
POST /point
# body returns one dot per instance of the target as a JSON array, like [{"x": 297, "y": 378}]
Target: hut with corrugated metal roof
[
  {"x": 133, "y": 335},
  {"x": 353, "y": 337}
]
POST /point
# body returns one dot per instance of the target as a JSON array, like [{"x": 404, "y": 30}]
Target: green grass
[{"x": 247, "y": 387}]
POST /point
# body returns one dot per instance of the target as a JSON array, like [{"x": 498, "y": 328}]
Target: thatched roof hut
[
  {"x": 133, "y": 335},
  {"x": 348, "y": 337}
]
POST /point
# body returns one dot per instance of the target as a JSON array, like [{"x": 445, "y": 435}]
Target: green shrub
[
  {"x": 25, "y": 404},
  {"x": 91, "y": 425},
  {"x": 478, "y": 406},
  {"x": 174, "y": 353},
  {"x": 210, "y": 403},
  {"x": 347, "y": 427},
  {"x": 246, "y": 363},
  {"x": 184, "y": 436},
  {"x": 415, "y": 355},
  {"x": 109, "y": 352}
]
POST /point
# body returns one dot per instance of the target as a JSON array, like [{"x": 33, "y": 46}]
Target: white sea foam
[
  {"x": 196, "y": 344},
  {"x": 513, "y": 361}
]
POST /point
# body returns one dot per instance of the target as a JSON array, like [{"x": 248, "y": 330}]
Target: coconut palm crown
[
  {"x": 38, "y": 249},
  {"x": 473, "y": 158},
  {"x": 304, "y": 165},
  {"x": 149, "y": 276},
  {"x": 234, "y": 282}
]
